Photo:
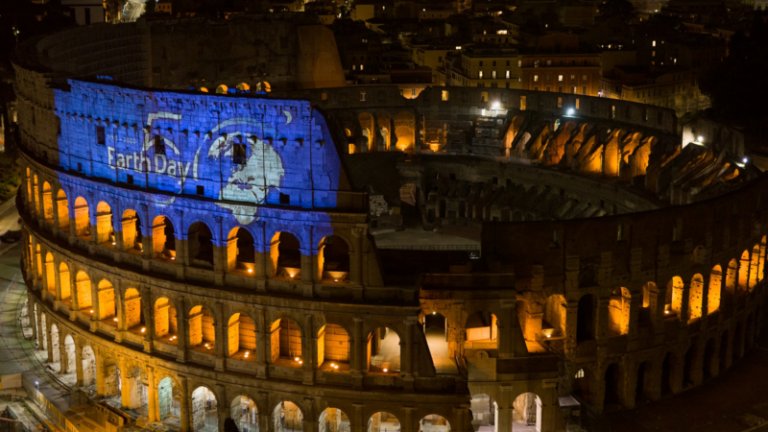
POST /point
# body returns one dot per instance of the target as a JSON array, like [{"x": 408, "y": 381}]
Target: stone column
[
  {"x": 219, "y": 253},
  {"x": 182, "y": 316},
  {"x": 308, "y": 249},
  {"x": 408, "y": 419},
  {"x": 181, "y": 245},
  {"x": 147, "y": 309},
  {"x": 504, "y": 414},
  {"x": 125, "y": 389},
  {"x": 262, "y": 251},
  {"x": 120, "y": 310},
  {"x": 79, "y": 364},
  {"x": 357, "y": 345},
  {"x": 221, "y": 337},
  {"x": 72, "y": 222},
  {"x": 55, "y": 203},
  {"x": 186, "y": 403},
  {"x": 603, "y": 304},
  {"x": 358, "y": 416},
  {"x": 222, "y": 406},
  {"x": 310, "y": 418},
  {"x": 95, "y": 304},
  {"x": 261, "y": 345},
  {"x": 407, "y": 365},
  {"x": 152, "y": 403},
  {"x": 570, "y": 326},
  {"x": 99, "y": 363},
  {"x": 49, "y": 340},
  {"x": 308, "y": 351},
  {"x": 147, "y": 249},
  {"x": 634, "y": 311},
  {"x": 73, "y": 291},
  {"x": 356, "y": 260},
  {"x": 57, "y": 282}
]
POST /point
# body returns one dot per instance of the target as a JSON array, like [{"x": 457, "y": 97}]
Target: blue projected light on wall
[
  {"x": 232, "y": 149},
  {"x": 246, "y": 155}
]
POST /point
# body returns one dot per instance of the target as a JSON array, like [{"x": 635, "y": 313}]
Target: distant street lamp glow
[{"x": 571, "y": 111}]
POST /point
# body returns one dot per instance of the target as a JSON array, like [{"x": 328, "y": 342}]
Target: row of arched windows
[
  {"x": 333, "y": 252},
  {"x": 126, "y": 386}
]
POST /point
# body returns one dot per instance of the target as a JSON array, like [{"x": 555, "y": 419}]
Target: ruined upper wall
[
  {"x": 261, "y": 151},
  {"x": 286, "y": 51}
]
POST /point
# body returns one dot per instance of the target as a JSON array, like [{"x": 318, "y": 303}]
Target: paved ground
[{"x": 736, "y": 401}]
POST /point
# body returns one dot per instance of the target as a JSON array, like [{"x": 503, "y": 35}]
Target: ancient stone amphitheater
[{"x": 216, "y": 228}]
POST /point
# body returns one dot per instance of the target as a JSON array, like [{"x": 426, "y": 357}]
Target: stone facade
[{"x": 245, "y": 284}]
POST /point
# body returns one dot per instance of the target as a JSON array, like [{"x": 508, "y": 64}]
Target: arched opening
[
  {"x": 63, "y": 210},
  {"x": 710, "y": 358},
  {"x": 104, "y": 234},
  {"x": 383, "y": 351},
  {"x": 245, "y": 413},
  {"x": 333, "y": 259},
  {"x": 484, "y": 413},
  {"x": 724, "y": 359},
  {"x": 434, "y": 423},
  {"x": 69, "y": 349},
  {"x": 82, "y": 219},
  {"x": 618, "y": 312},
  {"x": 200, "y": 245},
  {"x": 285, "y": 340},
  {"x": 56, "y": 349},
  {"x": 107, "y": 303},
  {"x": 243, "y": 87},
  {"x": 132, "y": 235},
  {"x": 241, "y": 337},
  {"x": 553, "y": 324},
  {"x": 435, "y": 327},
  {"x": 287, "y": 417},
  {"x": 166, "y": 324},
  {"x": 202, "y": 335},
  {"x": 134, "y": 389},
  {"x": 643, "y": 385},
  {"x": 666, "y": 375},
  {"x": 163, "y": 239},
  {"x": 263, "y": 87},
  {"x": 333, "y": 348},
  {"x": 333, "y": 420},
  {"x": 648, "y": 311},
  {"x": 688, "y": 366},
  {"x": 713, "y": 293},
  {"x": 50, "y": 274},
  {"x": 203, "y": 90},
  {"x": 84, "y": 300},
  {"x": 48, "y": 203},
  {"x": 222, "y": 89},
  {"x": 134, "y": 317},
  {"x": 482, "y": 330},
  {"x": 585, "y": 318},
  {"x": 241, "y": 252},
  {"x": 612, "y": 385},
  {"x": 65, "y": 284},
  {"x": 285, "y": 255},
  {"x": 168, "y": 401},
  {"x": 526, "y": 412},
  {"x": 674, "y": 301},
  {"x": 204, "y": 415},
  {"x": 743, "y": 273},
  {"x": 695, "y": 297},
  {"x": 383, "y": 422},
  {"x": 89, "y": 366}
]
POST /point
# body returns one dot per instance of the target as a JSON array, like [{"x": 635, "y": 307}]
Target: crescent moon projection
[{"x": 288, "y": 116}]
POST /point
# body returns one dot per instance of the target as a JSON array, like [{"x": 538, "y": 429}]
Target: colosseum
[{"x": 216, "y": 228}]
